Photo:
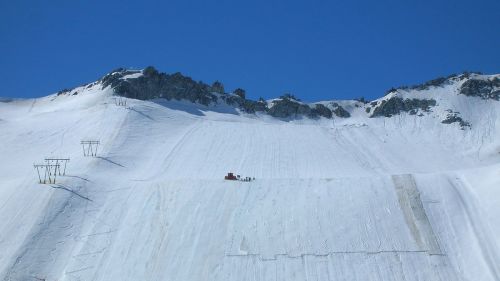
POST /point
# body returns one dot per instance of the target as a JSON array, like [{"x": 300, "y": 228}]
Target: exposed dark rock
[
  {"x": 232, "y": 100},
  {"x": 484, "y": 89},
  {"x": 113, "y": 78},
  {"x": 240, "y": 93},
  {"x": 438, "y": 82},
  {"x": 468, "y": 74},
  {"x": 251, "y": 106},
  {"x": 217, "y": 87},
  {"x": 64, "y": 91},
  {"x": 453, "y": 117},
  {"x": 153, "y": 84},
  {"x": 288, "y": 107},
  {"x": 248, "y": 106},
  {"x": 362, "y": 99},
  {"x": 495, "y": 95},
  {"x": 392, "y": 90},
  {"x": 395, "y": 105},
  {"x": 289, "y": 96},
  {"x": 339, "y": 111},
  {"x": 320, "y": 110},
  {"x": 149, "y": 72}
]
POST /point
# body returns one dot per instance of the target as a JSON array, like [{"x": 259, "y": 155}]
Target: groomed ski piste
[{"x": 393, "y": 198}]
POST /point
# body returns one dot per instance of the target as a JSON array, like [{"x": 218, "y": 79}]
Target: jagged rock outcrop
[
  {"x": 395, "y": 105},
  {"x": 240, "y": 93},
  {"x": 339, "y": 111},
  {"x": 453, "y": 117},
  {"x": 437, "y": 82},
  {"x": 153, "y": 84},
  {"x": 288, "y": 107},
  {"x": 319, "y": 110},
  {"x": 485, "y": 89},
  {"x": 64, "y": 91},
  {"x": 248, "y": 106},
  {"x": 150, "y": 84},
  {"x": 217, "y": 87}
]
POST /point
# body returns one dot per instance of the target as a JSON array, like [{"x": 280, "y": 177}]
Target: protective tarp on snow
[{"x": 359, "y": 198}]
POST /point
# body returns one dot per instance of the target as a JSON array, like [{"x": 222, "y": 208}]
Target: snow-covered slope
[{"x": 404, "y": 197}]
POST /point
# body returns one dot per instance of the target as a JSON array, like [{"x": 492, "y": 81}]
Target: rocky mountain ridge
[{"x": 149, "y": 83}]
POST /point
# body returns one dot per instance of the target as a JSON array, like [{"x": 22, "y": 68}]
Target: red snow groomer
[{"x": 230, "y": 176}]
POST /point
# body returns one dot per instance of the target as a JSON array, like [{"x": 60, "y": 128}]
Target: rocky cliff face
[
  {"x": 286, "y": 107},
  {"x": 395, "y": 105},
  {"x": 483, "y": 88},
  {"x": 454, "y": 117},
  {"x": 417, "y": 100},
  {"x": 151, "y": 84}
]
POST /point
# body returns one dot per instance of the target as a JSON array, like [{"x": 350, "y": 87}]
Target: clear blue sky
[{"x": 316, "y": 50}]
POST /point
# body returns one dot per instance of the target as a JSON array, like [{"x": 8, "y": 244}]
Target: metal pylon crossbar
[
  {"x": 58, "y": 161},
  {"x": 47, "y": 173},
  {"x": 90, "y": 147}
]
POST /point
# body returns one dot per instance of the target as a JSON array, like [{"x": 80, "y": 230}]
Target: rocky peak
[
  {"x": 149, "y": 83},
  {"x": 483, "y": 88}
]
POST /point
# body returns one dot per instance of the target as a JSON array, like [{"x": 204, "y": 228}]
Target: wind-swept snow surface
[{"x": 400, "y": 198}]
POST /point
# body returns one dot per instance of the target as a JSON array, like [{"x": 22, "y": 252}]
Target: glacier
[{"x": 404, "y": 197}]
